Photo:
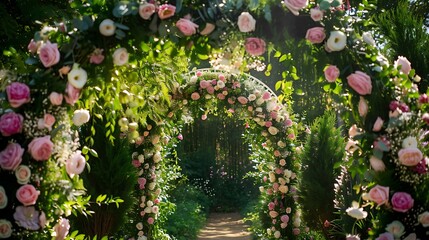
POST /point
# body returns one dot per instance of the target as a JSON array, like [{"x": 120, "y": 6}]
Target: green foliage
[
  {"x": 110, "y": 181},
  {"x": 323, "y": 148},
  {"x": 191, "y": 210}
]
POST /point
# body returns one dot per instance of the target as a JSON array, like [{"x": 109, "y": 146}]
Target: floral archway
[{"x": 101, "y": 66}]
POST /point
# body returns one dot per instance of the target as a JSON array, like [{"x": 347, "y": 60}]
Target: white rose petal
[
  {"x": 120, "y": 57},
  {"x": 77, "y": 77},
  {"x": 107, "y": 27},
  {"x": 336, "y": 41},
  {"x": 80, "y": 117}
]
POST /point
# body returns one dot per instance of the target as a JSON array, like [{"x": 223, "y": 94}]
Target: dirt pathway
[{"x": 225, "y": 226}]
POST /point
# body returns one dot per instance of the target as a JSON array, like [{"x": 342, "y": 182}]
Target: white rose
[
  {"x": 356, "y": 212},
  {"x": 336, "y": 41},
  {"x": 252, "y": 97},
  {"x": 6, "y": 228},
  {"x": 157, "y": 157},
  {"x": 220, "y": 84},
  {"x": 149, "y": 203},
  {"x": 409, "y": 142},
  {"x": 80, "y": 117},
  {"x": 77, "y": 77},
  {"x": 272, "y": 176},
  {"x": 3, "y": 198},
  {"x": 246, "y": 23},
  {"x": 260, "y": 101},
  {"x": 271, "y": 105},
  {"x": 151, "y": 186},
  {"x": 396, "y": 228},
  {"x": 424, "y": 219},
  {"x": 107, "y": 27},
  {"x": 23, "y": 174},
  {"x": 193, "y": 80},
  {"x": 277, "y": 234},
  {"x": 283, "y": 188},
  {"x": 148, "y": 210},
  {"x": 120, "y": 57}
]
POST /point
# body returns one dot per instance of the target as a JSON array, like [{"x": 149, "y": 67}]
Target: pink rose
[
  {"x": 360, "y": 82},
  {"x": 195, "y": 96},
  {"x": 402, "y": 202},
  {"x": 18, "y": 94},
  {"x": 385, "y": 236},
  {"x": 315, "y": 35},
  {"x": 331, "y": 73},
  {"x": 273, "y": 214},
  {"x": 11, "y": 123},
  {"x": 377, "y": 164},
  {"x": 11, "y": 156},
  {"x": 33, "y": 46},
  {"x": 316, "y": 14},
  {"x": 166, "y": 11},
  {"x": 76, "y": 164},
  {"x": 284, "y": 218},
  {"x": 96, "y": 56},
  {"x": 295, "y": 5},
  {"x": 186, "y": 26},
  {"x": 146, "y": 10},
  {"x": 410, "y": 156},
  {"x": 379, "y": 194},
  {"x": 62, "y": 229},
  {"x": 72, "y": 94},
  {"x": 255, "y": 46},
  {"x": 246, "y": 22},
  {"x": 362, "y": 107},
  {"x": 46, "y": 122},
  {"x": 49, "y": 54},
  {"x": 27, "y": 195},
  {"x": 56, "y": 98},
  {"x": 204, "y": 84},
  {"x": 150, "y": 220},
  {"x": 404, "y": 63},
  {"x": 242, "y": 100},
  {"x": 378, "y": 124},
  {"x": 41, "y": 148}
]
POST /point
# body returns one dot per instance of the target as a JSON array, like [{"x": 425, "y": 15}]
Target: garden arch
[{"x": 75, "y": 70}]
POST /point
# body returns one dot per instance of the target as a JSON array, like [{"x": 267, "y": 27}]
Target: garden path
[{"x": 225, "y": 226}]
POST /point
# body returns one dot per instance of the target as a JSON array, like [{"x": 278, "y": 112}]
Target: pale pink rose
[
  {"x": 379, "y": 194},
  {"x": 316, "y": 14},
  {"x": 210, "y": 89},
  {"x": 396, "y": 228},
  {"x": 76, "y": 164},
  {"x": 195, "y": 96},
  {"x": 360, "y": 82},
  {"x": 11, "y": 123},
  {"x": 255, "y": 46},
  {"x": 55, "y": 98},
  {"x": 331, "y": 73},
  {"x": 150, "y": 220},
  {"x": 72, "y": 94},
  {"x": 27, "y": 195},
  {"x": 208, "y": 29},
  {"x": 49, "y": 54},
  {"x": 246, "y": 22},
  {"x": 146, "y": 10},
  {"x": 18, "y": 94},
  {"x": 424, "y": 219},
  {"x": 404, "y": 63},
  {"x": 242, "y": 100},
  {"x": 284, "y": 218},
  {"x": 47, "y": 121},
  {"x": 120, "y": 57},
  {"x": 362, "y": 107},
  {"x": 11, "y": 156},
  {"x": 378, "y": 124},
  {"x": 315, "y": 35},
  {"x": 5, "y": 228},
  {"x": 273, "y": 214},
  {"x": 23, "y": 174},
  {"x": 410, "y": 156},
  {"x": 33, "y": 46},
  {"x": 166, "y": 11},
  {"x": 402, "y": 202},
  {"x": 220, "y": 96},
  {"x": 296, "y": 231},
  {"x": 186, "y": 26},
  {"x": 62, "y": 229},
  {"x": 41, "y": 148},
  {"x": 295, "y": 5},
  {"x": 96, "y": 56},
  {"x": 271, "y": 205},
  {"x": 385, "y": 236},
  {"x": 377, "y": 164}
]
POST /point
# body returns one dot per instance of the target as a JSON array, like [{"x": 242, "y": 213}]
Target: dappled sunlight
[{"x": 225, "y": 226}]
